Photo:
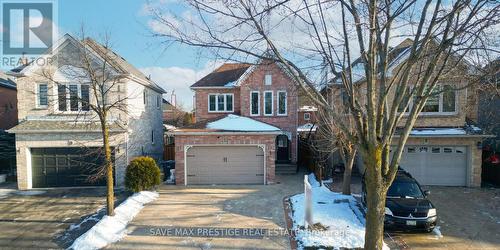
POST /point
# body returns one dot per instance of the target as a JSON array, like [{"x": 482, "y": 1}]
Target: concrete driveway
[
  {"x": 33, "y": 219},
  {"x": 208, "y": 207},
  {"x": 469, "y": 218}
]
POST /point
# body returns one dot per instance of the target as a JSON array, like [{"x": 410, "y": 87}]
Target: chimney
[{"x": 173, "y": 98}]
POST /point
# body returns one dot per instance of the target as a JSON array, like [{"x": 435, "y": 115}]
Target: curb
[{"x": 289, "y": 223}]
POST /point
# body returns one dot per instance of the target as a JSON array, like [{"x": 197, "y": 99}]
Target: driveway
[
  {"x": 469, "y": 218},
  {"x": 33, "y": 219},
  {"x": 208, "y": 207}
]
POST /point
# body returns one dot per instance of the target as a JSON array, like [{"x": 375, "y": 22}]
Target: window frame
[
  {"x": 268, "y": 79},
  {"x": 217, "y": 103},
  {"x": 158, "y": 101},
  {"x": 37, "y": 96},
  {"x": 440, "y": 103},
  {"x": 278, "y": 103},
  {"x": 258, "y": 103},
  {"x": 68, "y": 98},
  {"x": 272, "y": 103},
  {"x": 308, "y": 116}
]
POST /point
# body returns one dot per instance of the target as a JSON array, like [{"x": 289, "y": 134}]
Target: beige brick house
[
  {"x": 58, "y": 136},
  {"x": 444, "y": 148},
  {"x": 246, "y": 129}
]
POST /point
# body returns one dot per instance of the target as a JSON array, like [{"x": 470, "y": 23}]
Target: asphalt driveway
[
  {"x": 34, "y": 219},
  {"x": 208, "y": 207}
]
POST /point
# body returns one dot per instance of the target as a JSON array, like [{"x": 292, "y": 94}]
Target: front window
[
  {"x": 254, "y": 103},
  {"x": 448, "y": 99},
  {"x": 282, "y": 103},
  {"x": 307, "y": 116},
  {"x": 441, "y": 100},
  {"x": 432, "y": 104},
  {"x": 42, "y": 97},
  {"x": 268, "y": 103},
  {"x": 268, "y": 79},
  {"x": 220, "y": 102},
  {"x": 73, "y": 97},
  {"x": 404, "y": 190}
]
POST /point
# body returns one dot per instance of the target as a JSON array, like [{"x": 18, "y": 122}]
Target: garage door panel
[
  {"x": 438, "y": 165},
  {"x": 225, "y": 165},
  {"x": 65, "y": 167}
]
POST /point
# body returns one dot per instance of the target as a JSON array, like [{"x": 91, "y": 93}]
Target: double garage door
[
  {"x": 436, "y": 165},
  {"x": 66, "y": 167},
  {"x": 224, "y": 165}
]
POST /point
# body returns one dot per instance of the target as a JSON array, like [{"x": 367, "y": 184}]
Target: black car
[{"x": 407, "y": 206}]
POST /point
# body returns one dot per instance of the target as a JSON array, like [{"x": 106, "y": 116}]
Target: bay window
[{"x": 220, "y": 102}]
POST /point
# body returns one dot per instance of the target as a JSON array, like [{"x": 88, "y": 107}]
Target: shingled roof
[{"x": 224, "y": 76}]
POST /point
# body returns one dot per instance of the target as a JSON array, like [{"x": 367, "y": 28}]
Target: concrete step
[{"x": 285, "y": 169}]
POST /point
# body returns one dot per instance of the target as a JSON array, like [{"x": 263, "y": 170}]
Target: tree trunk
[
  {"x": 375, "y": 200},
  {"x": 110, "y": 197},
  {"x": 346, "y": 183}
]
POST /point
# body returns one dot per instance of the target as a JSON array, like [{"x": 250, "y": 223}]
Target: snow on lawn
[
  {"x": 112, "y": 228},
  {"x": 338, "y": 213}
]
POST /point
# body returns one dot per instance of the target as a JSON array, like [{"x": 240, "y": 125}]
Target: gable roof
[
  {"x": 224, "y": 76},
  {"x": 116, "y": 61}
]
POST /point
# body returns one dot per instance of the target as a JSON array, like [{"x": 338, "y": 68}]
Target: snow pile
[
  {"x": 239, "y": 123},
  {"x": 307, "y": 127},
  {"x": 336, "y": 212},
  {"x": 112, "y": 228}
]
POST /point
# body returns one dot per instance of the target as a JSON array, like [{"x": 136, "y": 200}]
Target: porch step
[{"x": 285, "y": 168}]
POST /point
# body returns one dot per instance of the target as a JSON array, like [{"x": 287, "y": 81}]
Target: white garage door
[
  {"x": 225, "y": 165},
  {"x": 436, "y": 165}
]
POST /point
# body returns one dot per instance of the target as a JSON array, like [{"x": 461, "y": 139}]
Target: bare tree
[
  {"x": 90, "y": 65},
  {"x": 301, "y": 35}
]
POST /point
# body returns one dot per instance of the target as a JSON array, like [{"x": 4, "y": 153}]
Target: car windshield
[{"x": 404, "y": 190}]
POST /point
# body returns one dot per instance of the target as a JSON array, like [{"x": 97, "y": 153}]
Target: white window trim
[
  {"x": 258, "y": 103},
  {"x": 278, "y": 104},
  {"x": 217, "y": 103},
  {"x": 37, "y": 96},
  {"x": 440, "y": 112},
  {"x": 308, "y": 116},
  {"x": 68, "y": 103},
  {"x": 266, "y": 77},
  {"x": 272, "y": 103}
]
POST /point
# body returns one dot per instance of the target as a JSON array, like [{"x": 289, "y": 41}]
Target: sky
[{"x": 174, "y": 67}]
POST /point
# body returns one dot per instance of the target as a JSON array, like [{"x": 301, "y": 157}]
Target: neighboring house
[
  {"x": 443, "y": 149},
  {"x": 58, "y": 139},
  {"x": 246, "y": 127},
  {"x": 8, "y": 119},
  {"x": 8, "y": 102}
]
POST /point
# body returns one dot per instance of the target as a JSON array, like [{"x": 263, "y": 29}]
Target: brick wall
[
  {"x": 303, "y": 121},
  {"x": 220, "y": 139},
  {"x": 8, "y": 108}
]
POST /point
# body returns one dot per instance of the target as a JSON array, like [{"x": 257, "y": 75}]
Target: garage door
[
  {"x": 436, "y": 165},
  {"x": 65, "y": 167},
  {"x": 225, "y": 165}
]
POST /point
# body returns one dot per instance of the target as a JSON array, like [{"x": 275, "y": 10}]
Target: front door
[{"x": 282, "y": 148}]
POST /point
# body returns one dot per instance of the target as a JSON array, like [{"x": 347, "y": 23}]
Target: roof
[
  {"x": 119, "y": 63},
  {"x": 466, "y": 131},
  {"x": 6, "y": 81},
  {"x": 36, "y": 126},
  {"x": 230, "y": 123},
  {"x": 307, "y": 127},
  {"x": 224, "y": 76}
]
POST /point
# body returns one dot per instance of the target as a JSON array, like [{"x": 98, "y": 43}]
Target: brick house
[
  {"x": 8, "y": 102},
  {"x": 58, "y": 138},
  {"x": 444, "y": 147},
  {"x": 246, "y": 127}
]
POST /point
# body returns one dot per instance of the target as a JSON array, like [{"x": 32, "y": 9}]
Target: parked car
[{"x": 407, "y": 206}]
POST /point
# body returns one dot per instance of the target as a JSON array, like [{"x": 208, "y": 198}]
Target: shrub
[{"x": 142, "y": 174}]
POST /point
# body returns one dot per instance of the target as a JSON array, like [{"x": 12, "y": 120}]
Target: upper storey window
[
  {"x": 254, "y": 103},
  {"x": 73, "y": 97},
  {"x": 268, "y": 79},
  {"x": 42, "y": 97},
  {"x": 220, "y": 102},
  {"x": 443, "y": 100},
  {"x": 268, "y": 103}
]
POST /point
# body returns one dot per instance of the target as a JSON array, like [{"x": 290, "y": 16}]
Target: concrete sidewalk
[{"x": 221, "y": 207}]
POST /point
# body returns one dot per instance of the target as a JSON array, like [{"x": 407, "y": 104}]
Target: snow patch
[
  {"x": 337, "y": 213},
  {"x": 239, "y": 123},
  {"x": 307, "y": 127},
  {"x": 438, "y": 131},
  {"x": 112, "y": 228},
  {"x": 230, "y": 84},
  {"x": 30, "y": 192},
  {"x": 437, "y": 232}
]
